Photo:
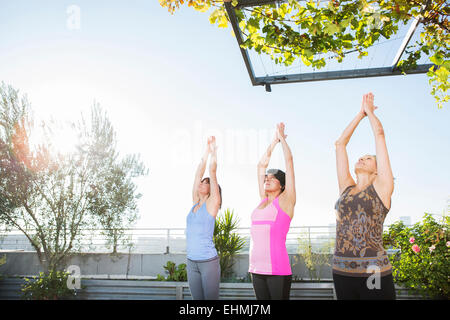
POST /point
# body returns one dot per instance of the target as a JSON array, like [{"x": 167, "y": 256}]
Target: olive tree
[{"x": 52, "y": 196}]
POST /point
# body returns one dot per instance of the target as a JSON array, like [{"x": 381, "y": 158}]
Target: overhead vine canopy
[{"x": 338, "y": 27}]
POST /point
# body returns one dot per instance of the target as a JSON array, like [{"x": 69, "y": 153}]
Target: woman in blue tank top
[{"x": 203, "y": 268}]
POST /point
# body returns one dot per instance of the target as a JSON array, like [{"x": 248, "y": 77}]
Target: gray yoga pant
[{"x": 204, "y": 278}]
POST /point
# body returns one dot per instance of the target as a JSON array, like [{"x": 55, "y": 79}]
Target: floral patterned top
[{"x": 359, "y": 250}]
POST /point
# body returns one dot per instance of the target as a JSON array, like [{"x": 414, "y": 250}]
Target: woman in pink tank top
[{"x": 269, "y": 262}]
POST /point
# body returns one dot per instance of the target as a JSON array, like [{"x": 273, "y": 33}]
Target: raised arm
[
  {"x": 343, "y": 172},
  {"x": 215, "y": 197},
  {"x": 199, "y": 174},
  {"x": 289, "y": 189},
  {"x": 263, "y": 164},
  {"x": 384, "y": 182}
]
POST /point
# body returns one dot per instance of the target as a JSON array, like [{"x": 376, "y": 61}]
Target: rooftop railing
[{"x": 173, "y": 240}]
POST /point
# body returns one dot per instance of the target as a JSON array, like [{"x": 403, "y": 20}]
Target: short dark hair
[
  {"x": 279, "y": 175},
  {"x": 220, "y": 190}
]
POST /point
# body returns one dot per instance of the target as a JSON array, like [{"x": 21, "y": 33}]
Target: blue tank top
[{"x": 199, "y": 234}]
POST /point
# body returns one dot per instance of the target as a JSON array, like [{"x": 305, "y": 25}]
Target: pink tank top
[{"x": 268, "y": 253}]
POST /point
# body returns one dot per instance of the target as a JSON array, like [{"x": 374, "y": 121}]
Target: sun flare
[{"x": 60, "y": 137}]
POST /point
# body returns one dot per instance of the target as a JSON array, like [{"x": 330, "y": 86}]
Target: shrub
[
  {"x": 314, "y": 259},
  {"x": 422, "y": 260},
  {"x": 48, "y": 286},
  {"x": 174, "y": 273},
  {"x": 227, "y": 242}
]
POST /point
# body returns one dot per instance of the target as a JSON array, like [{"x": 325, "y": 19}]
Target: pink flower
[
  {"x": 412, "y": 239},
  {"x": 448, "y": 243},
  {"x": 415, "y": 248},
  {"x": 432, "y": 248}
]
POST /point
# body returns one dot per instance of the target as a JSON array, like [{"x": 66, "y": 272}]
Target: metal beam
[
  {"x": 238, "y": 34},
  {"x": 337, "y": 75},
  {"x": 405, "y": 42},
  {"x": 254, "y": 3}
]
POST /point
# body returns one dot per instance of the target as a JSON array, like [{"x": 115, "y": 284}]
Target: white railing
[{"x": 173, "y": 240}]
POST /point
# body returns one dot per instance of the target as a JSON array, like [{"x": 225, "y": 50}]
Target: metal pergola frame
[{"x": 267, "y": 81}]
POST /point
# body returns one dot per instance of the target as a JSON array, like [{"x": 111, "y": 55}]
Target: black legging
[
  {"x": 271, "y": 287},
  {"x": 355, "y": 288}
]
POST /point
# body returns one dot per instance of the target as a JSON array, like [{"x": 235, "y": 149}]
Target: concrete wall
[{"x": 103, "y": 265}]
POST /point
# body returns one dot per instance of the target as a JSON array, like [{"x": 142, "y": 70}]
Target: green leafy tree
[
  {"x": 52, "y": 196},
  {"x": 304, "y": 30},
  {"x": 113, "y": 197},
  {"x": 227, "y": 242},
  {"x": 422, "y": 262}
]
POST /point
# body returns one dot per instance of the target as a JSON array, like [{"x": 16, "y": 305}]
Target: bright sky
[{"x": 169, "y": 81}]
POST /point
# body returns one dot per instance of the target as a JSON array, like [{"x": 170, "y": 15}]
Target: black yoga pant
[
  {"x": 271, "y": 287},
  {"x": 356, "y": 288}
]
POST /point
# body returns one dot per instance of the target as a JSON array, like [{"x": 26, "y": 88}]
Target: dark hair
[
  {"x": 220, "y": 191},
  {"x": 279, "y": 175}
]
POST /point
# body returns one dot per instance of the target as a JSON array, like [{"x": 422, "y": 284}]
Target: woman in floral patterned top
[{"x": 361, "y": 268}]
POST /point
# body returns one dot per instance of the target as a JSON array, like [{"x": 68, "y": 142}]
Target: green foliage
[
  {"x": 48, "y": 286},
  {"x": 313, "y": 260},
  {"x": 305, "y": 29},
  {"x": 2, "y": 262},
  {"x": 426, "y": 271},
  {"x": 227, "y": 242},
  {"x": 174, "y": 273}
]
